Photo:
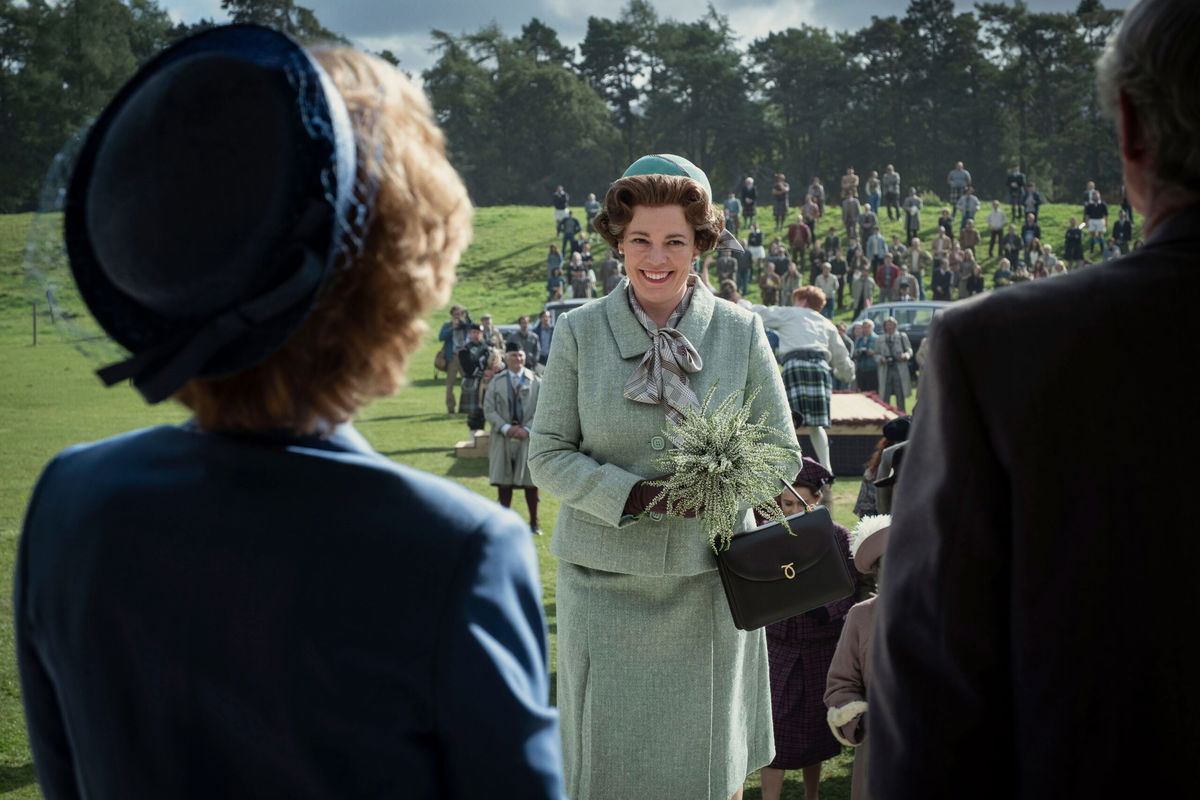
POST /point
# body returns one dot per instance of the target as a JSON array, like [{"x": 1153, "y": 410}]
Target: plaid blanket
[{"x": 809, "y": 386}]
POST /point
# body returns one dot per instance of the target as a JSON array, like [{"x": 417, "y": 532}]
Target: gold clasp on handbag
[{"x": 789, "y": 570}]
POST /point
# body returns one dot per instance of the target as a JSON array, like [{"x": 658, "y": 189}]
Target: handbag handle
[{"x": 808, "y": 507}]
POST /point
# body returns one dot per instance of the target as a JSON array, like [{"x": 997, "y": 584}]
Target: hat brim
[
  {"x": 889, "y": 465},
  {"x": 871, "y": 549}
]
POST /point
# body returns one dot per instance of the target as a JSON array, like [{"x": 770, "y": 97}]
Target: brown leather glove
[{"x": 641, "y": 495}]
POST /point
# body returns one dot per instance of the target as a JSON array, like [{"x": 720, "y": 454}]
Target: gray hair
[{"x": 1154, "y": 59}]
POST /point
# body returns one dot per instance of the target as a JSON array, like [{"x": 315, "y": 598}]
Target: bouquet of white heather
[{"x": 722, "y": 462}]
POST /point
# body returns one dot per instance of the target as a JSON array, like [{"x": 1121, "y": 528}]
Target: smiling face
[{"x": 659, "y": 246}]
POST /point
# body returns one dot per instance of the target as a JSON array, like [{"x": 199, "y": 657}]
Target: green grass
[{"x": 50, "y": 398}]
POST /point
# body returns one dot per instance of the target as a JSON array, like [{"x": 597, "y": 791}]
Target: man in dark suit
[
  {"x": 1033, "y": 640},
  {"x": 256, "y": 603}
]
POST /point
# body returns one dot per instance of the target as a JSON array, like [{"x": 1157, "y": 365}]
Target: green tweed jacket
[{"x": 589, "y": 445}]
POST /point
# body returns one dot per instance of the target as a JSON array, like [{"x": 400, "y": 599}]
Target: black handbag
[{"x": 771, "y": 574}]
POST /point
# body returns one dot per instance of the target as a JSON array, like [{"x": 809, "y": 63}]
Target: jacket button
[
  {"x": 658, "y": 443},
  {"x": 654, "y": 515}
]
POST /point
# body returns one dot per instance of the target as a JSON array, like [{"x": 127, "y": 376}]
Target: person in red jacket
[
  {"x": 799, "y": 236},
  {"x": 885, "y": 278}
]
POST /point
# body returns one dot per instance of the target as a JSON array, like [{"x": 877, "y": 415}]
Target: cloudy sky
[{"x": 403, "y": 26}]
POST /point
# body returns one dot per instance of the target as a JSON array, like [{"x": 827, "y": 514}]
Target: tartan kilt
[
  {"x": 469, "y": 402},
  {"x": 955, "y": 194},
  {"x": 809, "y": 386}
]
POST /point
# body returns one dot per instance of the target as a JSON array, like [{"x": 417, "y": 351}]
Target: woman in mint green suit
[{"x": 660, "y": 695}]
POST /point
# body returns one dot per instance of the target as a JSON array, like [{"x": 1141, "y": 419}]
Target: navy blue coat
[{"x": 203, "y": 615}]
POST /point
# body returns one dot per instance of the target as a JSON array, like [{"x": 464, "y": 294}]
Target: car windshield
[
  {"x": 905, "y": 316},
  {"x": 922, "y": 316},
  {"x": 558, "y": 309}
]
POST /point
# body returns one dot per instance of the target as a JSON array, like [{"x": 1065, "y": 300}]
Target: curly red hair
[{"x": 811, "y": 296}]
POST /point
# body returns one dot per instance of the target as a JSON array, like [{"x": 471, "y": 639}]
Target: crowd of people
[{"x": 855, "y": 264}]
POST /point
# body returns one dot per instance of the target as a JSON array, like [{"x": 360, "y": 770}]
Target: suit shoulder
[
  {"x": 861, "y": 613},
  {"x": 1049, "y": 300},
  {"x": 447, "y": 508},
  {"x": 116, "y": 448},
  {"x": 590, "y": 313},
  {"x": 732, "y": 312},
  {"x": 386, "y": 490},
  {"x": 731, "y": 318}
]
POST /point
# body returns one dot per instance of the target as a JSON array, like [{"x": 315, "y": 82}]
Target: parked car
[
  {"x": 912, "y": 317},
  {"x": 560, "y": 307},
  {"x": 556, "y": 308}
]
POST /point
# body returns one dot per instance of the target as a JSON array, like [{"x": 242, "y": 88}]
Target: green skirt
[{"x": 659, "y": 694}]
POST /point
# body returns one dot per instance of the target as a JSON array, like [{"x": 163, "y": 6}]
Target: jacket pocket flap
[{"x": 767, "y": 553}]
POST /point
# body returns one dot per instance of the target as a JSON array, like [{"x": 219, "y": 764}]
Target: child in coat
[{"x": 846, "y": 685}]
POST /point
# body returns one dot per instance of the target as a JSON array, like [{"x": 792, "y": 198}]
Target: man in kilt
[
  {"x": 810, "y": 344},
  {"x": 475, "y": 361}
]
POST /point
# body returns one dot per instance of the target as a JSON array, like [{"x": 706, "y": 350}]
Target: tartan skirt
[{"x": 809, "y": 386}]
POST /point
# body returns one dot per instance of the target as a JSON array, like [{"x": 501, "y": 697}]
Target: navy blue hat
[
  {"x": 896, "y": 430},
  {"x": 205, "y": 210}
]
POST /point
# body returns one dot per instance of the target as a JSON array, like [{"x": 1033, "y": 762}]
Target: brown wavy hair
[
  {"x": 370, "y": 316},
  {"x": 659, "y": 190}
]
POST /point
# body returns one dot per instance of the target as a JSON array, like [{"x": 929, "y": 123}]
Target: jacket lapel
[
  {"x": 694, "y": 324},
  {"x": 632, "y": 339}
]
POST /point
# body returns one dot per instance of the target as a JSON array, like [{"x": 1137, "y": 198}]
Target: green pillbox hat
[{"x": 669, "y": 164}]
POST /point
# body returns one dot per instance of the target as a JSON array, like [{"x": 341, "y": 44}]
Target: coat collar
[
  {"x": 526, "y": 375},
  {"x": 343, "y": 438},
  {"x": 1180, "y": 226},
  {"x": 631, "y": 337}
]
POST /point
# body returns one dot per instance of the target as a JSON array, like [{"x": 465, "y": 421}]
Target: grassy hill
[{"x": 50, "y": 398}]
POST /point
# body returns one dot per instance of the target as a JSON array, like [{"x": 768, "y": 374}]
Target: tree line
[{"x": 991, "y": 87}]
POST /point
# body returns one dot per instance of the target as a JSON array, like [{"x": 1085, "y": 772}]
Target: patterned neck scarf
[{"x": 661, "y": 377}]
